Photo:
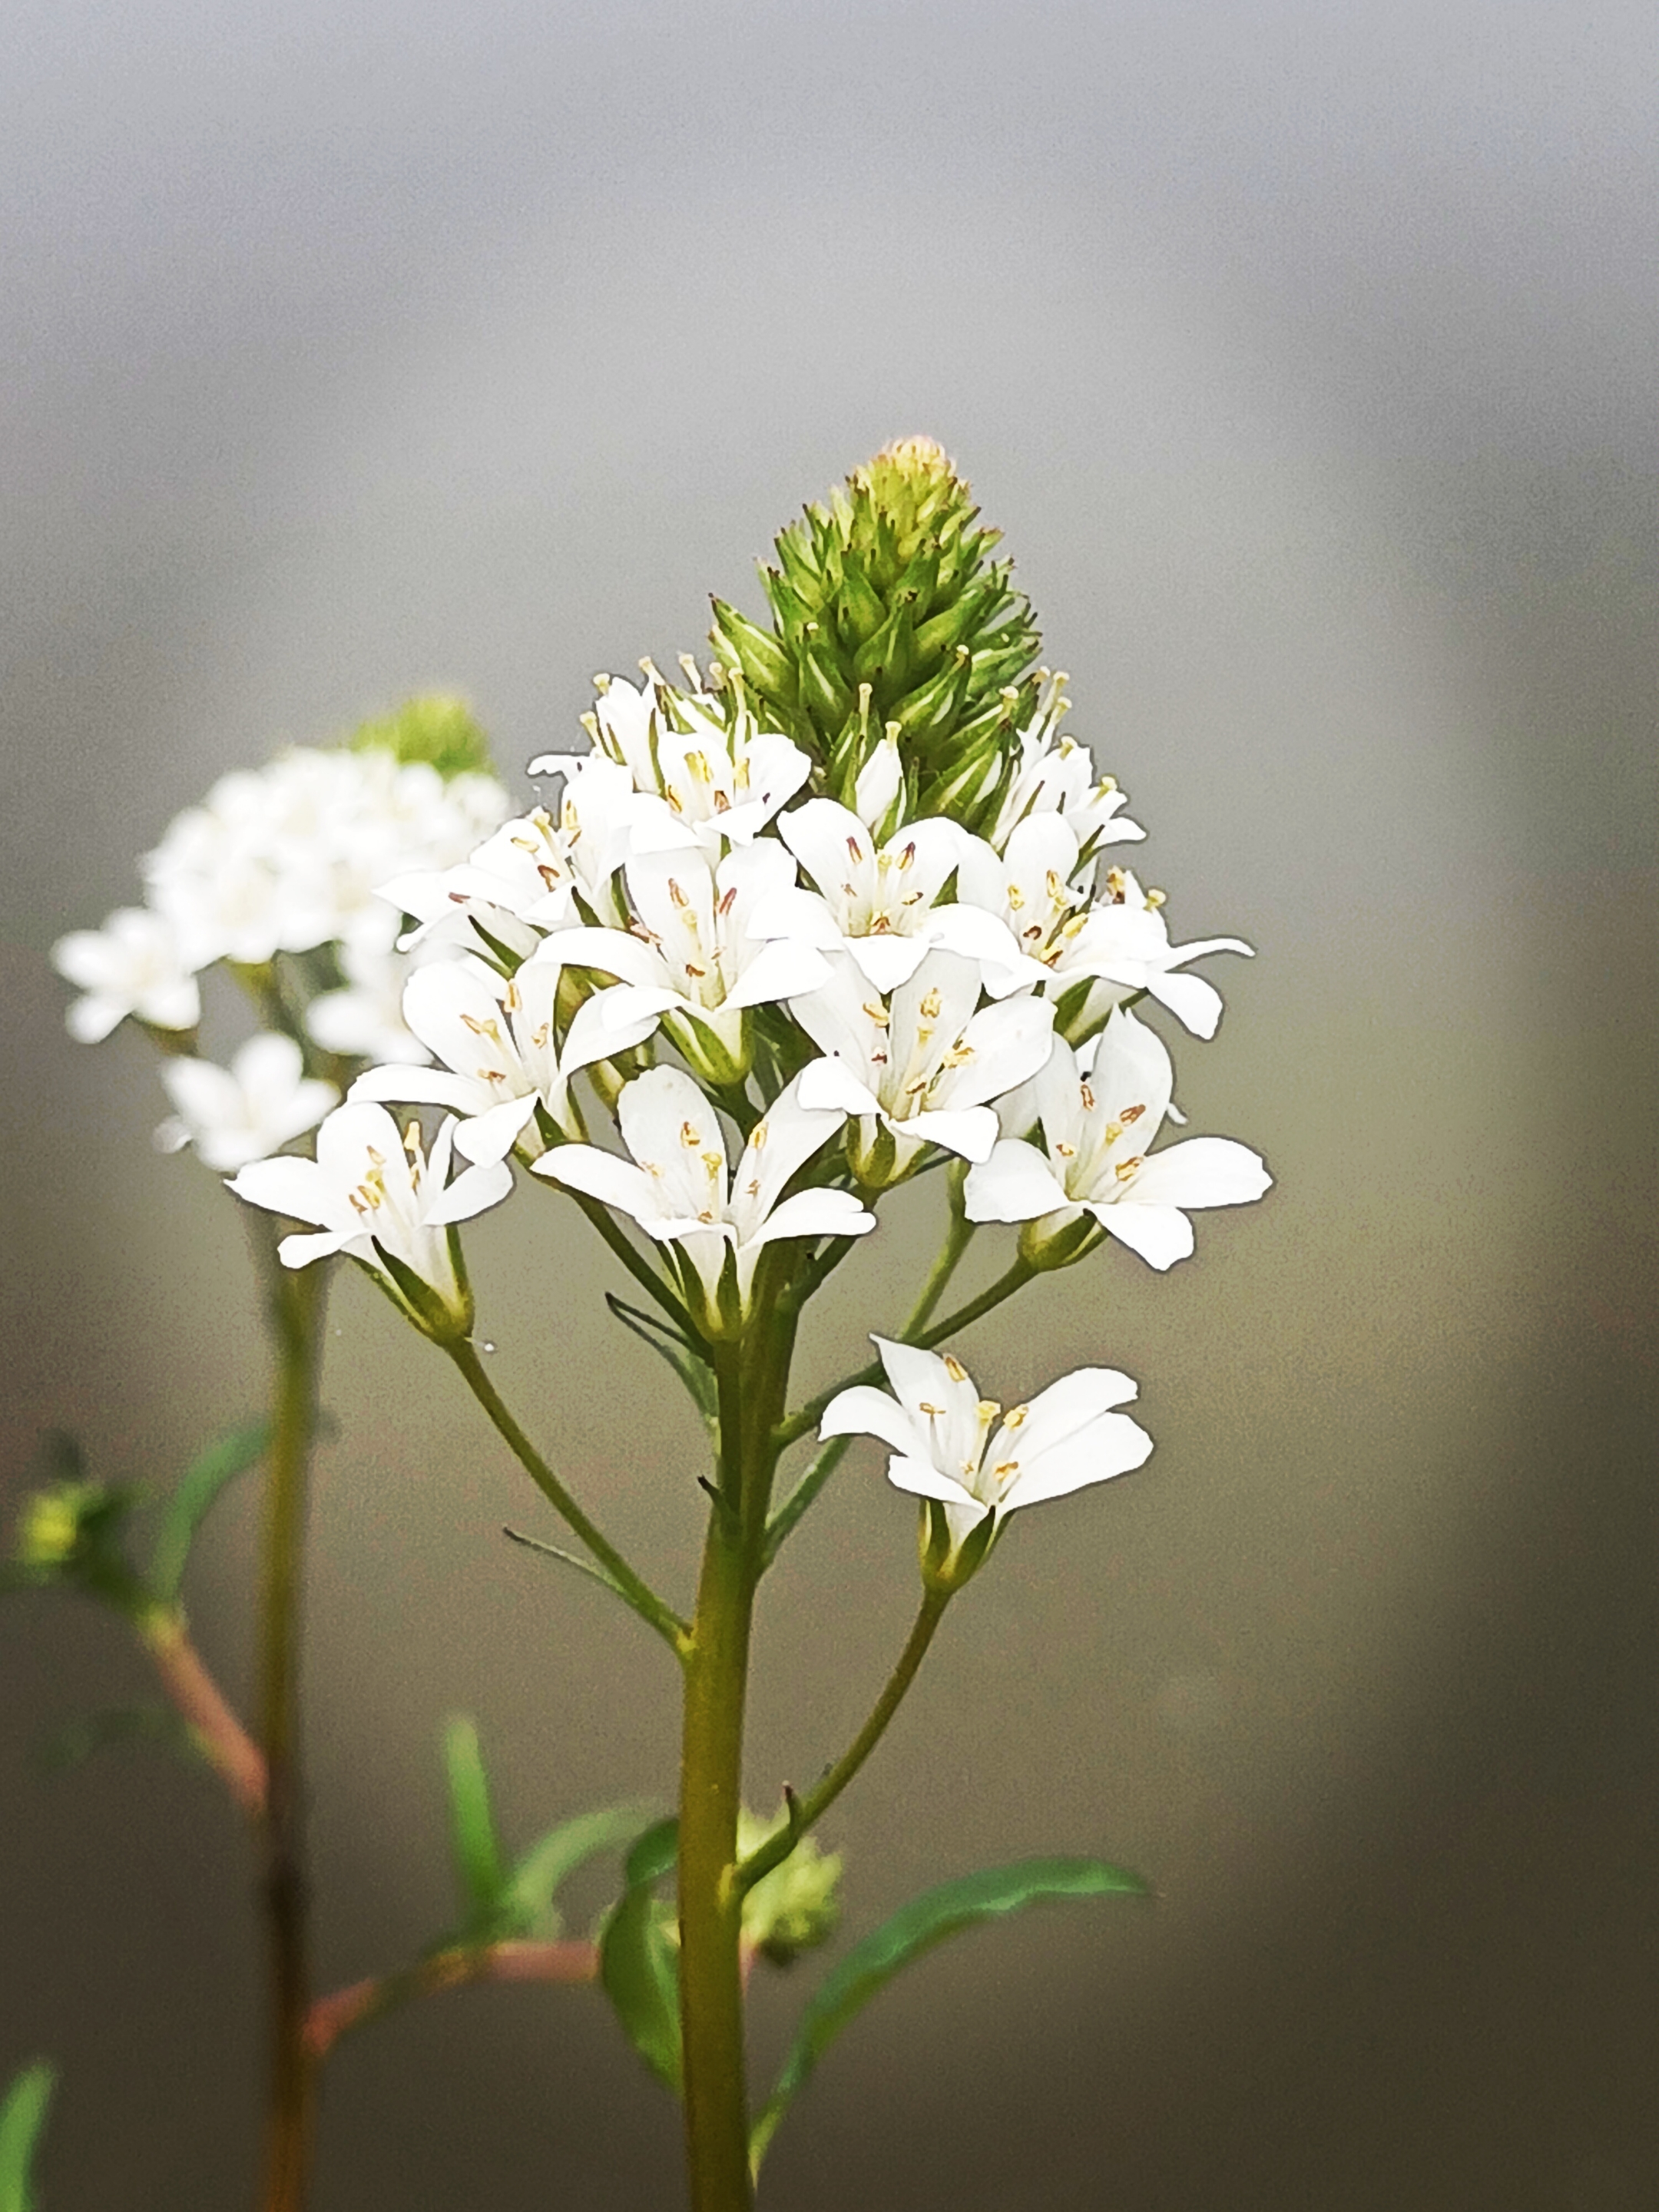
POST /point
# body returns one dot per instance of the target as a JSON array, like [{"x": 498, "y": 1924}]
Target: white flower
[
  {"x": 880, "y": 784},
  {"x": 237, "y": 1115},
  {"x": 1121, "y": 946},
  {"x": 1057, "y": 776},
  {"x": 533, "y": 871},
  {"x": 701, "y": 782},
  {"x": 500, "y": 1053},
  {"x": 926, "y": 1064},
  {"x": 1100, "y": 1109},
  {"x": 678, "y": 1186},
  {"x": 690, "y": 955},
  {"x": 375, "y": 1195},
  {"x": 132, "y": 965},
  {"x": 364, "y": 1019},
  {"x": 876, "y": 904},
  {"x": 964, "y": 1453}
]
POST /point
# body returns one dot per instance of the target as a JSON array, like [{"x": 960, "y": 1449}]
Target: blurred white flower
[
  {"x": 236, "y": 1114},
  {"x": 965, "y": 1454},
  {"x": 1100, "y": 1109},
  {"x": 132, "y": 965},
  {"x": 1057, "y": 776}
]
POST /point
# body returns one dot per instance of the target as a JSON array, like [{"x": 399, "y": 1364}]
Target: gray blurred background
[{"x": 1306, "y": 354}]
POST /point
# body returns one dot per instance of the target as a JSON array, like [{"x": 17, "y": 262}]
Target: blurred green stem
[{"x": 297, "y": 1302}]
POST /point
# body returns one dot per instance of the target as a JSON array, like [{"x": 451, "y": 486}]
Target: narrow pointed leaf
[
  {"x": 639, "y": 1965},
  {"x": 473, "y": 1840},
  {"x": 22, "y": 2118},
  {"x": 915, "y": 1928},
  {"x": 534, "y": 1882},
  {"x": 199, "y": 1489},
  {"x": 695, "y": 1373}
]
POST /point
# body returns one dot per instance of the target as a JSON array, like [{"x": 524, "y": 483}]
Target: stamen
[
  {"x": 929, "y": 1008},
  {"x": 954, "y": 1368},
  {"x": 690, "y": 1136},
  {"x": 678, "y": 895},
  {"x": 1126, "y": 1168},
  {"x": 1155, "y": 899},
  {"x": 1017, "y": 1418},
  {"x": 1088, "y": 1097},
  {"x": 1130, "y": 1114}
]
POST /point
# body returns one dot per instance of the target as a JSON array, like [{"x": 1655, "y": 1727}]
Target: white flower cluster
[
  {"x": 855, "y": 994},
  {"x": 276, "y": 873}
]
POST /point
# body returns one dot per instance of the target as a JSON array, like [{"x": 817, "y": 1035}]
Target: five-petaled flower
[
  {"x": 1100, "y": 1108},
  {"x": 974, "y": 1464},
  {"x": 376, "y": 1195}
]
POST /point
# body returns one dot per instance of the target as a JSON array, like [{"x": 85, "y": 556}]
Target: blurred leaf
[
  {"x": 73, "y": 1745},
  {"x": 22, "y": 2117},
  {"x": 473, "y": 1841},
  {"x": 527, "y": 1897},
  {"x": 198, "y": 1491},
  {"x": 914, "y": 1930},
  {"x": 639, "y": 1963}
]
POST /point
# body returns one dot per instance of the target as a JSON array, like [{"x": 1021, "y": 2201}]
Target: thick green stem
[
  {"x": 297, "y": 1301},
  {"x": 803, "y": 1811},
  {"x": 628, "y": 1585},
  {"x": 752, "y": 1377}
]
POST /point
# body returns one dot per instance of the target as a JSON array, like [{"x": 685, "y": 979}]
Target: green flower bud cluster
[
  {"x": 794, "y": 1908},
  {"x": 437, "y": 727},
  {"x": 890, "y": 619},
  {"x": 71, "y": 1535}
]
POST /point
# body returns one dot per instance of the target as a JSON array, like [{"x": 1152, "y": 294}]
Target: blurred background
[{"x": 1306, "y": 355}]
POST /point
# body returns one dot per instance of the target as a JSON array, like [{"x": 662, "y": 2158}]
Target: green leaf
[
  {"x": 535, "y": 1881},
  {"x": 914, "y": 1930},
  {"x": 639, "y": 1963},
  {"x": 22, "y": 2117},
  {"x": 687, "y": 1361},
  {"x": 199, "y": 1489},
  {"x": 73, "y": 1745},
  {"x": 473, "y": 1841}
]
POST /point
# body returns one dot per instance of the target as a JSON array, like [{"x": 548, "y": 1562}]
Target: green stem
[
  {"x": 803, "y": 1811},
  {"x": 957, "y": 1238},
  {"x": 752, "y": 1377},
  {"x": 297, "y": 1301},
  {"x": 643, "y": 1273},
  {"x": 803, "y": 1495},
  {"x": 807, "y": 1416},
  {"x": 628, "y": 1585}
]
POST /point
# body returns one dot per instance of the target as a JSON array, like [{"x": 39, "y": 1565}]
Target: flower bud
[
  {"x": 1057, "y": 1239},
  {"x": 879, "y": 787},
  {"x": 438, "y": 728},
  {"x": 794, "y": 1908}
]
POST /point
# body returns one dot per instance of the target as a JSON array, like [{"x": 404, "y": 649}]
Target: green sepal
[
  {"x": 639, "y": 1961},
  {"x": 199, "y": 1489},
  {"x": 426, "y": 1307},
  {"x": 23, "y": 2116},
  {"x": 915, "y": 1928},
  {"x": 743, "y": 644},
  {"x": 475, "y": 1845}
]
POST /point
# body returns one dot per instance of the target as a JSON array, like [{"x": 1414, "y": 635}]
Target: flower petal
[
  {"x": 1200, "y": 1171},
  {"x": 1015, "y": 1184},
  {"x": 865, "y": 1411},
  {"x": 1160, "y": 1233},
  {"x": 1109, "y": 1445}
]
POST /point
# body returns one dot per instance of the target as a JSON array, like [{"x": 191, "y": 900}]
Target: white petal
[
  {"x": 828, "y": 1084},
  {"x": 295, "y": 1188},
  {"x": 420, "y": 1086},
  {"x": 864, "y": 1411},
  {"x": 780, "y": 969},
  {"x": 1063, "y": 1410},
  {"x": 301, "y": 1251},
  {"x": 1111, "y": 1444},
  {"x": 887, "y": 962},
  {"x": 1015, "y": 1184},
  {"x": 490, "y": 1137},
  {"x": 972, "y": 1133},
  {"x": 1160, "y": 1233},
  {"x": 472, "y": 1193},
  {"x": 923, "y": 1479},
  {"x": 601, "y": 1176},
  {"x": 1195, "y": 1003},
  {"x": 1200, "y": 1171},
  {"x": 816, "y": 1213}
]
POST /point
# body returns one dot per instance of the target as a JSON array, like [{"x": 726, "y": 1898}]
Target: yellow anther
[
  {"x": 538, "y": 1037},
  {"x": 694, "y": 972},
  {"x": 878, "y": 1014},
  {"x": 697, "y": 765},
  {"x": 954, "y": 1368},
  {"x": 728, "y": 899},
  {"x": 1088, "y": 1097},
  {"x": 1112, "y": 1132},
  {"x": 933, "y": 1413},
  {"x": 602, "y": 683},
  {"x": 1108, "y": 786},
  {"x": 1130, "y": 1114},
  {"x": 959, "y": 1055},
  {"x": 1126, "y": 1168},
  {"x": 1066, "y": 1152},
  {"x": 757, "y": 1136},
  {"x": 690, "y": 1136},
  {"x": 987, "y": 1410},
  {"x": 1115, "y": 880},
  {"x": 908, "y": 854},
  {"x": 1017, "y": 1418},
  {"x": 1155, "y": 899},
  {"x": 512, "y": 1002},
  {"x": 705, "y": 1215},
  {"x": 715, "y": 1161},
  {"x": 855, "y": 851},
  {"x": 1006, "y": 1469},
  {"x": 929, "y": 1008},
  {"x": 1016, "y": 897},
  {"x": 722, "y": 804},
  {"x": 674, "y": 800},
  {"x": 412, "y": 1139},
  {"x": 752, "y": 1189},
  {"x": 678, "y": 895},
  {"x": 1056, "y": 888}
]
